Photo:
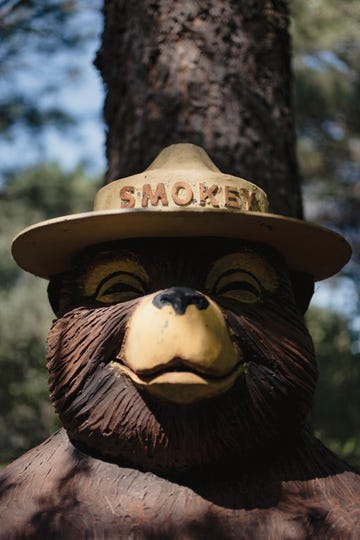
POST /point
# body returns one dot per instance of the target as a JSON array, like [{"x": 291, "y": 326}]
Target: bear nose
[{"x": 180, "y": 298}]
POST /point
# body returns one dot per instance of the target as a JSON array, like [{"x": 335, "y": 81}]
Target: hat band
[{"x": 172, "y": 195}]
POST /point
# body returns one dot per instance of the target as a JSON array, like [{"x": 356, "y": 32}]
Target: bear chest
[{"x": 141, "y": 506}]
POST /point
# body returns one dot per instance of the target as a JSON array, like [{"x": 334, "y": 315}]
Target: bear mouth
[
  {"x": 179, "y": 365},
  {"x": 180, "y": 381}
]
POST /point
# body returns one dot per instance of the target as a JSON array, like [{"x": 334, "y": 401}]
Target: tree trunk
[{"x": 215, "y": 73}]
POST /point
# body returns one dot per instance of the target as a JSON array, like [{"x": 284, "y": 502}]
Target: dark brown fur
[{"x": 108, "y": 416}]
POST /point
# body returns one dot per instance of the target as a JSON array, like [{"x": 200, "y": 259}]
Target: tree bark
[{"x": 215, "y": 73}]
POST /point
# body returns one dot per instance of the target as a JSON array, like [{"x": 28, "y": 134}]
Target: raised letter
[
  {"x": 231, "y": 197},
  {"x": 208, "y": 193},
  {"x": 127, "y": 197},
  {"x": 248, "y": 196},
  {"x": 154, "y": 198},
  {"x": 183, "y": 189}
]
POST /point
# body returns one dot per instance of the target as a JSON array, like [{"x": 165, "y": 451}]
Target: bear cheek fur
[{"x": 104, "y": 413}]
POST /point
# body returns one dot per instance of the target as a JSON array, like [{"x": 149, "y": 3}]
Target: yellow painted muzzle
[{"x": 181, "y": 352}]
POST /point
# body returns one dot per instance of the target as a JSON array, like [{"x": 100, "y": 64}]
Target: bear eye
[
  {"x": 239, "y": 285},
  {"x": 119, "y": 286},
  {"x": 243, "y": 275}
]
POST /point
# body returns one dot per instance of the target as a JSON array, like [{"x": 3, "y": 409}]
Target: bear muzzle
[{"x": 178, "y": 347}]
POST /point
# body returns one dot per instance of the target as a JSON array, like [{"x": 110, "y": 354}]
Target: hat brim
[{"x": 48, "y": 248}]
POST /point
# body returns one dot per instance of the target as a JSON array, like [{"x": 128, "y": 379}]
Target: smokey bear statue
[{"x": 181, "y": 368}]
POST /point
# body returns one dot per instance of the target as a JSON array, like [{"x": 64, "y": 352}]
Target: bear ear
[
  {"x": 62, "y": 293},
  {"x": 303, "y": 287},
  {"x": 53, "y": 291}
]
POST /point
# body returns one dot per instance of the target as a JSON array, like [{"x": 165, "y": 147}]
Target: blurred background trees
[
  {"x": 326, "y": 63},
  {"x": 42, "y": 52},
  {"x": 39, "y": 192},
  {"x": 48, "y": 90}
]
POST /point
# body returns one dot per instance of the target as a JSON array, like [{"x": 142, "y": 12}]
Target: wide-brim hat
[{"x": 181, "y": 194}]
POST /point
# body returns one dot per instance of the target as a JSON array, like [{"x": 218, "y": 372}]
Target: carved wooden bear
[{"x": 183, "y": 374}]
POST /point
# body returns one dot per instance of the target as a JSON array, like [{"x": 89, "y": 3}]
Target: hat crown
[
  {"x": 182, "y": 177},
  {"x": 183, "y": 156}
]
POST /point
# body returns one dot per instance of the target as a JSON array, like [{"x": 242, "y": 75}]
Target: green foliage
[
  {"x": 26, "y": 413},
  {"x": 35, "y": 37},
  {"x": 25, "y": 316},
  {"x": 337, "y": 403},
  {"x": 326, "y": 46},
  {"x": 326, "y": 64}
]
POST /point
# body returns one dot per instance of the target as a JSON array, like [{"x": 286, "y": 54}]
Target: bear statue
[{"x": 181, "y": 368}]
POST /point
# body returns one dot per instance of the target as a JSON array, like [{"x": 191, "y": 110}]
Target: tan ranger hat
[{"x": 182, "y": 193}]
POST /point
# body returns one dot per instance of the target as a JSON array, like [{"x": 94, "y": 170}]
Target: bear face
[{"x": 137, "y": 374}]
